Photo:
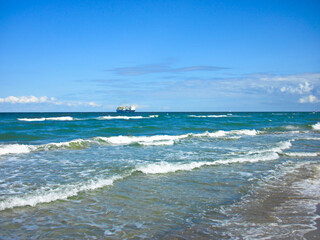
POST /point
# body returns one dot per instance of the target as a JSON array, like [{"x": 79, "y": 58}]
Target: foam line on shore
[{"x": 290, "y": 194}]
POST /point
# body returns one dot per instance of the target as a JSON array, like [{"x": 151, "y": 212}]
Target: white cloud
[
  {"x": 303, "y": 77},
  {"x": 44, "y": 99},
  {"x": 301, "y": 89},
  {"x": 93, "y": 104},
  {"x": 25, "y": 99},
  {"x": 309, "y": 99}
]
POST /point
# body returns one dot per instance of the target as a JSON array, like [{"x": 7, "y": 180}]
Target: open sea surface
[{"x": 159, "y": 175}]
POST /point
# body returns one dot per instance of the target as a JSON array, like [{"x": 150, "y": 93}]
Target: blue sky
[{"x": 160, "y": 55}]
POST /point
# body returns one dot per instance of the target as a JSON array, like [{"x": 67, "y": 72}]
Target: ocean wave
[
  {"x": 155, "y": 140},
  {"x": 316, "y": 126},
  {"x": 283, "y": 145},
  {"x": 23, "y": 148},
  {"x": 46, "y": 119},
  {"x": 60, "y": 193},
  {"x": 74, "y": 144},
  {"x": 143, "y": 140},
  {"x": 125, "y": 117},
  {"x": 302, "y": 154},
  {"x": 309, "y": 138},
  {"x": 171, "y": 139},
  {"x": 15, "y": 149},
  {"x": 64, "y": 192},
  {"x": 263, "y": 155},
  {"x": 165, "y": 167},
  {"x": 222, "y": 133},
  {"x": 209, "y": 116}
]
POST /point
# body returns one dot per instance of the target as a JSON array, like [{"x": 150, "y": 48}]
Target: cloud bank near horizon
[
  {"x": 44, "y": 99},
  {"x": 231, "y": 91}
]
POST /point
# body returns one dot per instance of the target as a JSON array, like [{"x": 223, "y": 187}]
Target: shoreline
[{"x": 314, "y": 234}]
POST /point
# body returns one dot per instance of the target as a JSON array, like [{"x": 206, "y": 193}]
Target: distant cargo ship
[{"x": 126, "y": 109}]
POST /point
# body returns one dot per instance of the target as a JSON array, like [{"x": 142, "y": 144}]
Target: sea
[{"x": 159, "y": 175}]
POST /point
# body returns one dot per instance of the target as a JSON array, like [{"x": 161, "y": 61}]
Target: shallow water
[{"x": 158, "y": 175}]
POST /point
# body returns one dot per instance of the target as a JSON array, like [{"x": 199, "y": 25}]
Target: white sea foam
[
  {"x": 125, "y": 117},
  {"x": 282, "y": 146},
  {"x": 302, "y": 154},
  {"x": 46, "y": 119},
  {"x": 310, "y": 138},
  {"x": 209, "y": 116},
  {"x": 165, "y": 167},
  {"x": 245, "y": 132},
  {"x": 277, "y": 149},
  {"x": 60, "y": 193},
  {"x": 216, "y": 134},
  {"x": 316, "y": 126},
  {"x": 155, "y": 140},
  {"x": 222, "y": 133},
  {"x": 22, "y": 148},
  {"x": 171, "y": 139},
  {"x": 32, "y": 119},
  {"x": 15, "y": 149},
  {"x": 144, "y": 140},
  {"x": 169, "y": 142}
]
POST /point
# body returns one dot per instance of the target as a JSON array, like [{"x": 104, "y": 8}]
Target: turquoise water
[{"x": 158, "y": 175}]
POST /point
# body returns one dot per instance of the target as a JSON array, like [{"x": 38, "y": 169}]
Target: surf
[
  {"x": 154, "y": 140},
  {"x": 46, "y": 119},
  {"x": 125, "y": 117}
]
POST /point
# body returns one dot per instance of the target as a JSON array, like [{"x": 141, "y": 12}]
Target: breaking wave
[
  {"x": 46, "y": 119},
  {"x": 155, "y": 140},
  {"x": 125, "y": 117},
  {"x": 309, "y": 138},
  {"x": 209, "y": 116},
  {"x": 165, "y": 167},
  {"x": 15, "y": 149},
  {"x": 264, "y": 155},
  {"x": 22, "y": 148},
  {"x": 60, "y": 193},
  {"x": 64, "y": 192},
  {"x": 143, "y": 140},
  {"x": 316, "y": 126},
  {"x": 277, "y": 149},
  {"x": 302, "y": 154}
]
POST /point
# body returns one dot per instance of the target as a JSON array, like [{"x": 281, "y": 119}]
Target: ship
[{"x": 126, "y": 109}]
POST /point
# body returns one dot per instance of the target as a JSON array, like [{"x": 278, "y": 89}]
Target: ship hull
[{"x": 125, "y": 111}]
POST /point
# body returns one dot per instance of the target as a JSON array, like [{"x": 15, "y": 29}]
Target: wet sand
[{"x": 315, "y": 234}]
